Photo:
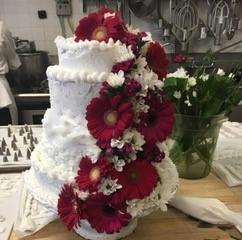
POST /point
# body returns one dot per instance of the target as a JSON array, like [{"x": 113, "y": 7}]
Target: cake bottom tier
[{"x": 87, "y": 232}]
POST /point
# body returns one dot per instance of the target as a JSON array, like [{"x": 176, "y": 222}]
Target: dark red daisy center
[
  {"x": 109, "y": 211},
  {"x": 151, "y": 118},
  {"x": 95, "y": 174},
  {"x": 133, "y": 176},
  {"x": 111, "y": 118},
  {"x": 99, "y": 33}
]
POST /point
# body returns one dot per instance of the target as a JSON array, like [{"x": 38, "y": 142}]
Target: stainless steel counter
[{"x": 32, "y": 98}]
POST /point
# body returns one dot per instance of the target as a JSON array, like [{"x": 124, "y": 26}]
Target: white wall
[{"x": 21, "y": 17}]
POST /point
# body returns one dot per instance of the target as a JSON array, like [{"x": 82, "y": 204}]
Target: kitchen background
[
  {"x": 21, "y": 16},
  {"x": 37, "y": 20}
]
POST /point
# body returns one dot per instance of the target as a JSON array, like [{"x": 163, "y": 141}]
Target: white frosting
[
  {"x": 91, "y": 56},
  {"x": 64, "y": 74},
  {"x": 65, "y": 140},
  {"x": 71, "y": 97}
]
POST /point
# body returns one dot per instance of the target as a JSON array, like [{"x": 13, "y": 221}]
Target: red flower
[
  {"x": 103, "y": 216},
  {"x": 96, "y": 27},
  {"x": 157, "y": 60},
  {"x": 124, "y": 66},
  {"x": 130, "y": 39},
  {"x": 108, "y": 117},
  {"x": 138, "y": 179},
  {"x": 156, "y": 124},
  {"x": 104, "y": 90},
  {"x": 179, "y": 58},
  {"x": 69, "y": 207},
  {"x": 152, "y": 153},
  {"x": 90, "y": 174},
  {"x": 131, "y": 87}
]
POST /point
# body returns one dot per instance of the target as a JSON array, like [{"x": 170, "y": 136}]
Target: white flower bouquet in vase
[{"x": 202, "y": 102}]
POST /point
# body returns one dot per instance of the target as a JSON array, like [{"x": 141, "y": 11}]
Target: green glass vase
[{"x": 192, "y": 144}]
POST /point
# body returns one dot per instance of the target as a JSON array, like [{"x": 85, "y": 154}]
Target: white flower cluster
[
  {"x": 179, "y": 73},
  {"x": 109, "y": 186},
  {"x": 116, "y": 79},
  {"x": 136, "y": 141},
  {"x": 182, "y": 74}
]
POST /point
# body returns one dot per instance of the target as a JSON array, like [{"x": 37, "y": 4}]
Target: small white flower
[
  {"x": 116, "y": 80},
  {"x": 141, "y": 63},
  {"x": 109, "y": 186},
  {"x": 118, "y": 163},
  {"x": 81, "y": 194},
  {"x": 194, "y": 94},
  {"x": 180, "y": 73},
  {"x": 138, "y": 140},
  {"x": 148, "y": 37},
  {"x": 220, "y": 72},
  {"x": 192, "y": 81},
  {"x": 188, "y": 103},
  {"x": 135, "y": 138},
  {"x": 140, "y": 106},
  {"x": 231, "y": 75},
  {"x": 177, "y": 94},
  {"x": 132, "y": 29},
  {"x": 204, "y": 77},
  {"x": 133, "y": 156},
  {"x": 108, "y": 14},
  {"x": 117, "y": 143}
]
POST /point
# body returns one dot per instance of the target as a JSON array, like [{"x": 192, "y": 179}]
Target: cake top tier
[{"x": 101, "y": 42}]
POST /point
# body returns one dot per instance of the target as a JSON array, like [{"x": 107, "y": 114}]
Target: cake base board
[{"x": 87, "y": 232}]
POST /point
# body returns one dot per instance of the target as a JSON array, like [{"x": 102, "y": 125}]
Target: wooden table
[{"x": 171, "y": 225}]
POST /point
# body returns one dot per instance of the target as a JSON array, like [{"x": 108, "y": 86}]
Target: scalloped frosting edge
[
  {"x": 70, "y": 44},
  {"x": 60, "y": 73}
]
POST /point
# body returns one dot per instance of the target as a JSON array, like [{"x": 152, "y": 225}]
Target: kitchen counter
[
  {"x": 32, "y": 98},
  {"x": 171, "y": 225}
]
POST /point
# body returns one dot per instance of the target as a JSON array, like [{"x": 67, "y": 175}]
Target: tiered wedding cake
[{"x": 102, "y": 161}]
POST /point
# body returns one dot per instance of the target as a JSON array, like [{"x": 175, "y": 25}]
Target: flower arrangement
[
  {"x": 202, "y": 102},
  {"x": 203, "y": 94},
  {"x": 130, "y": 120}
]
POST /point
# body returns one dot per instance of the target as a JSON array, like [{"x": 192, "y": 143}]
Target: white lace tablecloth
[
  {"x": 9, "y": 201},
  {"x": 227, "y": 162}
]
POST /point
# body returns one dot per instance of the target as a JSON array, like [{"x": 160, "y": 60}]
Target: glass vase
[{"x": 192, "y": 144}]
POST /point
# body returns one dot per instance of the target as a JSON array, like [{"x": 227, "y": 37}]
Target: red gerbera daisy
[
  {"x": 69, "y": 207},
  {"x": 179, "y": 58},
  {"x": 103, "y": 216},
  {"x": 108, "y": 117},
  {"x": 156, "y": 124},
  {"x": 96, "y": 27},
  {"x": 89, "y": 174},
  {"x": 157, "y": 60},
  {"x": 138, "y": 179}
]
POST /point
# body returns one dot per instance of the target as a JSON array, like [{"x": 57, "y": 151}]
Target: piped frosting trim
[
  {"x": 71, "y": 45},
  {"x": 57, "y": 72}
]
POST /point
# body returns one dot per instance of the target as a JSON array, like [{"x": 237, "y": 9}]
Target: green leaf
[
  {"x": 170, "y": 82},
  {"x": 212, "y": 107}
]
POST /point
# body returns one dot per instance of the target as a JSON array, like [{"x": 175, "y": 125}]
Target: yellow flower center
[
  {"x": 110, "y": 118},
  {"x": 99, "y": 34},
  {"x": 95, "y": 174}
]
